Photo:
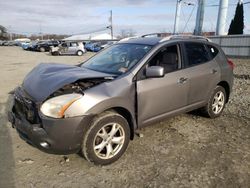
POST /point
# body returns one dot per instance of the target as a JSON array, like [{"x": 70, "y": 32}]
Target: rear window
[
  {"x": 213, "y": 51},
  {"x": 196, "y": 53}
]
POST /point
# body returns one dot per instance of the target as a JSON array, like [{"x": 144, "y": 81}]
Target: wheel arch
[
  {"x": 226, "y": 86},
  {"x": 79, "y": 51},
  {"x": 128, "y": 116}
]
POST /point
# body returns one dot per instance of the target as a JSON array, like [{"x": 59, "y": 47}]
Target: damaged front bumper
[{"x": 57, "y": 136}]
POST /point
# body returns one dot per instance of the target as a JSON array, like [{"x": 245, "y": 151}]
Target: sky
[{"x": 86, "y": 16}]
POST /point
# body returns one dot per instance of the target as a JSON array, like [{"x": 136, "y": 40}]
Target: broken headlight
[{"x": 55, "y": 107}]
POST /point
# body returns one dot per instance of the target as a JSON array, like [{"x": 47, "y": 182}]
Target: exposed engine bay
[{"x": 79, "y": 86}]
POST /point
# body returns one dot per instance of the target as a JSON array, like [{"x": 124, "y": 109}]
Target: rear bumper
[{"x": 57, "y": 136}]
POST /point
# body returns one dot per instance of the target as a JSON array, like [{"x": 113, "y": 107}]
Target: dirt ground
[{"x": 184, "y": 151}]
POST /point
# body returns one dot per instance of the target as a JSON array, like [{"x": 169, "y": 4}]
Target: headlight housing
[{"x": 55, "y": 107}]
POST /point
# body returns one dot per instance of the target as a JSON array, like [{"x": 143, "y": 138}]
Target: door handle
[
  {"x": 214, "y": 71},
  {"x": 182, "y": 80}
]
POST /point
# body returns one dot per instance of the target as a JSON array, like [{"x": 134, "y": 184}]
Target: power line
[
  {"x": 184, "y": 17},
  {"x": 91, "y": 31},
  {"x": 232, "y": 4},
  {"x": 177, "y": 13},
  {"x": 189, "y": 18}
]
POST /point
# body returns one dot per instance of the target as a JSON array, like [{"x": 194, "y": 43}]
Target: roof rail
[{"x": 171, "y": 37}]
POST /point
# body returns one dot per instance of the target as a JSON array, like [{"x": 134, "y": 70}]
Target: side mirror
[{"x": 154, "y": 72}]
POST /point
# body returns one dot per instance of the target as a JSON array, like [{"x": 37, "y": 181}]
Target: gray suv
[{"x": 95, "y": 108}]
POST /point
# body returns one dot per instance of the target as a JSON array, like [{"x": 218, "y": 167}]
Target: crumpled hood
[{"x": 47, "y": 78}]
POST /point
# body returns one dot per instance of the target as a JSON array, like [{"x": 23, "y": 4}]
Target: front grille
[{"x": 25, "y": 107}]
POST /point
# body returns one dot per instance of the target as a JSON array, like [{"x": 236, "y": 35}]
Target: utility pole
[
  {"x": 10, "y": 34},
  {"x": 177, "y": 16},
  {"x": 40, "y": 28},
  {"x": 111, "y": 24},
  {"x": 222, "y": 17},
  {"x": 199, "y": 17}
]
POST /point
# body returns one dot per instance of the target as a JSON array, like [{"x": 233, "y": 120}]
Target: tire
[
  {"x": 55, "y": 53},
  {"x": 106, "y": 139},
  {"x": 79, "y": 53},
  {"x": 216, "y": 103},
  {"x": 42, "y": 49}
]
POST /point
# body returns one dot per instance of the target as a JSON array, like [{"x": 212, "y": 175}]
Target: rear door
[
  {"x": 203, "y": 72},
  {"x": 158, "y": 97},
  {"x": 73, "y": 48}
]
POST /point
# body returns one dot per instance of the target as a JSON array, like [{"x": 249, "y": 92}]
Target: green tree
[{"x": 237, "y": 23}]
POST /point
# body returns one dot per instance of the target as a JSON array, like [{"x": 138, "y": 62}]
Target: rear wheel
[
  {"x": 216, "y": 103},
  {"x": 107, "y": 138},
  {"x": 79, "y": 53}
]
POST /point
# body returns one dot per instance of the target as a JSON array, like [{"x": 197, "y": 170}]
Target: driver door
[
  {"x": 160, "y": 97},
  {"x": 63, "y": 48}
]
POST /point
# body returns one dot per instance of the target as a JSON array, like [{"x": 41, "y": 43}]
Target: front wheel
[
  {"x": 42, "y": 49},
  {"x": 106, "y": 139},
  {"x": 216, "y": 103}
]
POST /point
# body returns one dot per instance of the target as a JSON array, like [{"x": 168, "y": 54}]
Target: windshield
[{"x": 118, "y": 58}]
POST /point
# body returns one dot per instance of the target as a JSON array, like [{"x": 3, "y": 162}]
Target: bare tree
[{"x": 3, "y": 33}]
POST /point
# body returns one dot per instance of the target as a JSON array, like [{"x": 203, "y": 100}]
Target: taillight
[{"x": 231, "y": 64}]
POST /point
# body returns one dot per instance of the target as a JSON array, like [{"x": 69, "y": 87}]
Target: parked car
[
  {"x": 95, "y": 46},
  {"x": 4, "y": 43},
  {"x": 45, "y": 46},
  {"x": 33, "y": 46},
  {"x": 96, "y": 107},
  {"x": 20, "y": 41},
  {"x": 68, "y": 48},
  {"x": 87, "y": 45},
  {"x": 9, "y": 43},
  {"x": 108, "y": 44},
  {"x": 25, "y": 45}
]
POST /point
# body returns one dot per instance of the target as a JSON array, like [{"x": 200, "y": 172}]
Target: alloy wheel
[
  {"x": 218, "y": 102},
  {"x": 109, "y": 140}
]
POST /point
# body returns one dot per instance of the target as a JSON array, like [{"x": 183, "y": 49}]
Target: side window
[
  {"x": 64, "y": 44},
  {"x": 167, "y": 58},
  {"x": 196, "y": 53},
  {"x": 213, "y": 51},
  {"x": 73, "y": 44}
]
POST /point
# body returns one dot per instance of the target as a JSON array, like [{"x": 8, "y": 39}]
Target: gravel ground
[{"x": 184, "y": 151}]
